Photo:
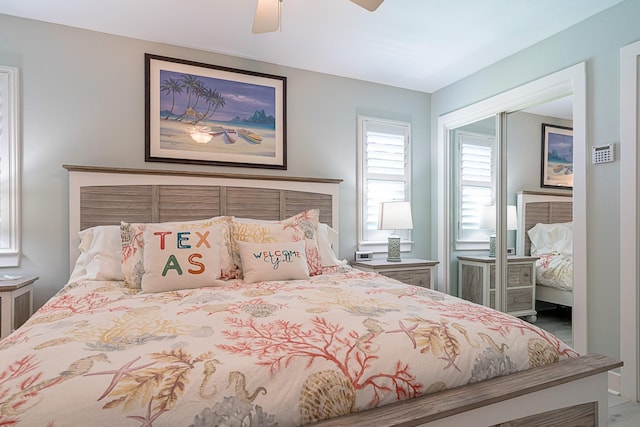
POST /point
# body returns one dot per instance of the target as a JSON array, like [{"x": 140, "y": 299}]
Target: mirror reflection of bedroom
[
  {"x": 538, "y": 217},
  {"x": 545, "y": 219}
]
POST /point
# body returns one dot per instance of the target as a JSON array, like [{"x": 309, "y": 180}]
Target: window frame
[
  {"x": 376, "y": 240},
  {"x": 481, "y": 240},
  {"x": 9, "y": 167}
]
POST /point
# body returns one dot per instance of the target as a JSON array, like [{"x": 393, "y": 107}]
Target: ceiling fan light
[
  {"x": 267, "y": 18},
  {"x": 370, "y": 5}
]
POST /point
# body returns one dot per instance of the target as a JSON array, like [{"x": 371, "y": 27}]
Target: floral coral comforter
[
  {"x": 272, "y": 353},
  {"x": 555, "y": 271}
]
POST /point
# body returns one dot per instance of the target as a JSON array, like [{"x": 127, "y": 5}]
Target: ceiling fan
[{"x": 267, "y": 17}]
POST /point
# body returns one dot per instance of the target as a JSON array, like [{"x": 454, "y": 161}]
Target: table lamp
[
  {"x": 394, "y": 216},
  {"x": 488, "y": 222}
]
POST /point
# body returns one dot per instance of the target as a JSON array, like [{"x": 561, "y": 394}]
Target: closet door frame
[
  {"x": 629, "y": 220},
  {"x": 570, "y": 81}
]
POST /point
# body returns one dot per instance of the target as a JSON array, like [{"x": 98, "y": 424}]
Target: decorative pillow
[
  {"x": 181, "y": 257},
  {"x": 100, "y": 252},
  {"x": 300, "y": 227},
  {"x": 327, "y": 236},
  {"x": 273, "y": 261},
  {"x": 133, "y": 247},
  {"x": 551, "y": 239}
]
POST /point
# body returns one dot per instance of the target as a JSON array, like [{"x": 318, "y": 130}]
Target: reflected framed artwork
[
  {"x": 557, "y": 157},
  {"x": 207, "y": 114}
]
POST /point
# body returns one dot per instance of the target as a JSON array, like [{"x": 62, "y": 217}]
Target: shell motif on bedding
[
  {"x": 260, "y": 310},
  {"x": 541, "y": 353},
  {"x": 492, "y": 363},
  {"x": 326, "y": 394}
]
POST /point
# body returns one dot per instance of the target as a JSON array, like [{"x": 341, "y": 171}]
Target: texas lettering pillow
[
  {"x": 132, "y": 236},
  {"x": 180, "y": 257}
]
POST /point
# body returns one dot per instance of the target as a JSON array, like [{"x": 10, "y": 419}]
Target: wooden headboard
[
  {"x": 106, "y": 196},
  {"x": 540, "y": 208}
]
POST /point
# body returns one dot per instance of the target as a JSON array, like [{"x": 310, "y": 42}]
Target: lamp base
[
  {"x": 393, "y": 250},
  {"x": 492, "y": 245}
]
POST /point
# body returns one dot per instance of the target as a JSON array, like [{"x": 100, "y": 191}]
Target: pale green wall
[
  {"x": 83, "y": 103},
  {"x": 596, "y": 41}
]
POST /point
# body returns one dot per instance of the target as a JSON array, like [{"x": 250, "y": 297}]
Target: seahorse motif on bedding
[
  {"x": 241, "y": 387},
  {"x": 209, "y": 370}
]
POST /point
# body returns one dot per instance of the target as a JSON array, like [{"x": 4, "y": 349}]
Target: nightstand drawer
[
  {"x": 519, "y": 275},
  {"x": 411, "y": 277},
  {"x": 519, "y": 299},
  {"x": 412, "y": 271}
]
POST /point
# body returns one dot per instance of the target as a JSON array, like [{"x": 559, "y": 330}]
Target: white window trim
[
  {"x": 378, "y": 246},
  {"x": 9, "y": 168},
  {"x": 468, "y": 244}
]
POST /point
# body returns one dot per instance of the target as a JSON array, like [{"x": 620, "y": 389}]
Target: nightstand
[
  {"x": 412, "y": 271},
  {"x": 476, "y": 283},
  {"x": 16, "y": 303}
]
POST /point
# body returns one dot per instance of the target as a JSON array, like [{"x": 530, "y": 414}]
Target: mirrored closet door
[{"x": 496, "y": 198}]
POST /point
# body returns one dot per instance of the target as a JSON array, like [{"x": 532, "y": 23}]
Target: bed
[
  {"x": 339, "y": 347},
  {"x": 547, "y": 218}
]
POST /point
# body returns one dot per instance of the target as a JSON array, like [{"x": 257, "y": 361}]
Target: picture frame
[
  {"x": 211, "y": 115},
  {"x": 557, "y": 157}
]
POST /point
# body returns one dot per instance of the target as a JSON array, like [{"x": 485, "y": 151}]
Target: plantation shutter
[
  {"x": 476, "y": 183},
  {"x": 386, "y": 173}
]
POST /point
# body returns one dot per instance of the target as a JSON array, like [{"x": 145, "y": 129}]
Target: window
[
  {"x": 476, "y": 186},
  {"x": 9, "y": 173},
  {"x": 384, "y": 159}
]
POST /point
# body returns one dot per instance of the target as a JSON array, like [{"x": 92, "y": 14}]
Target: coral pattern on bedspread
[
  {"x": 555, "y": 271},
  {"x": 279, "y": 353}
]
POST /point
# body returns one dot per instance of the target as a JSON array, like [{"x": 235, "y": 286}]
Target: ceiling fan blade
[
  {"x": 267, "y": 17},
  {"x": 370, "y": 5}
]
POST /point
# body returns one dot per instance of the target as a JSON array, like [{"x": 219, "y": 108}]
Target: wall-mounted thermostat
[{"x": 602, "y": 154}]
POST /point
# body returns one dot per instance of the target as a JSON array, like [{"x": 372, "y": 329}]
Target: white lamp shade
[
  {"x": 488, "y": 218},
  {"x": 395, "y": 216}
]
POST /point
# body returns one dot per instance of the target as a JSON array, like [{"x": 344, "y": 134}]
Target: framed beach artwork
[
  {"x": 206, "y": 114},
  {"x": 557, "y": 156}
]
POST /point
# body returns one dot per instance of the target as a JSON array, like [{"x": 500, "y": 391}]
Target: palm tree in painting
[
  {"x": 191, "y": 83},
  {"x": 213, "y": 99},
  {"x": 216, "y": 100},
  {"x": 171, "y": 86},
  {"x": 199, "y": 92}
]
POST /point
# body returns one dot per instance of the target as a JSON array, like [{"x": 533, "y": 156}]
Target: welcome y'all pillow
[
  {"x": 302, "y": 227},
  {"x": 273, "y": 261},
  {"x": 133, "y": 246}
]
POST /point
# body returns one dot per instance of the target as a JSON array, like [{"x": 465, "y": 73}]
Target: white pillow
[
  {"x": 100, "y": 254},
  {"x": 551, "y": 239},
  {"x": 273, "y": 261},
  {"x": 327, "y": 237},
  {"x": 181, "y": 258}
]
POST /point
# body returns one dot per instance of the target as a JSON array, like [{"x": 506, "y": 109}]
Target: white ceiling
[{"x": 422, "y": 45}]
